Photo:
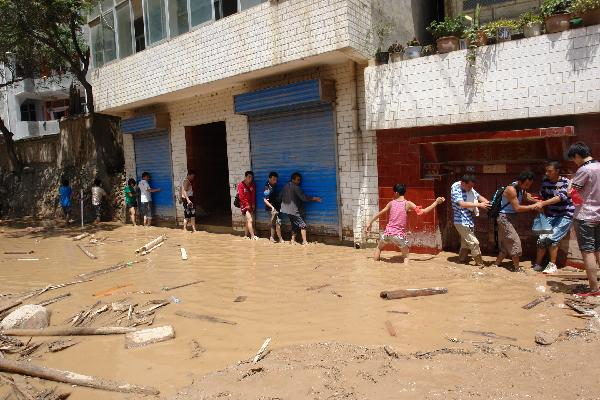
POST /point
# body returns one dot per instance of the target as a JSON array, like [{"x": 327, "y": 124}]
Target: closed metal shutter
[
  {"x": 302, "y": 140},
  {"x": 153, "y": 155}
]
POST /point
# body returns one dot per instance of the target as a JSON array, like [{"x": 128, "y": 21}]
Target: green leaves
[{"x": 448, "y": 27}]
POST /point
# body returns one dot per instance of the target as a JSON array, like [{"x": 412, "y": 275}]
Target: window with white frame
[{"x": 155, "y": 18}]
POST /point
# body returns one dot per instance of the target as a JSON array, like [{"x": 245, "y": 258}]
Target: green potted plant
[
  {"x": 531, "y": 24},
  {"x": 588, "y": 10},
  {"x": 447, "y": 33},
  {"x": 502, "y": 29},
  {"x": 413, "y": 49},
  {"x": 428, "y": 50},
  {"x": 557, "y": 17},
  {"x": 382, "y": 30},
  {"x": 475, "y": 35},
  {"x": 396, "y": 50}
]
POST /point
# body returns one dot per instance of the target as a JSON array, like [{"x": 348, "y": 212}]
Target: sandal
[{"x": 589, "y": 294}]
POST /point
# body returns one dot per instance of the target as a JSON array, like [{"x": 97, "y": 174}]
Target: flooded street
[{"x": 295, "y": 295}]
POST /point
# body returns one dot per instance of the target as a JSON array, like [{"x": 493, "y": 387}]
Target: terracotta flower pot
[
  {"x": 482, "y": 39},
  {"x": 448, "y": 44},
  {"x": 558, "y": 23},
  {"x": 591, "y": 17},
  {"x": 532, "y": 29}
]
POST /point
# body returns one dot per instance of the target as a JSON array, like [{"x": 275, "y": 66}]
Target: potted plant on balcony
[
  {"x": 502, "y": 29},
  {"x": 413, "y": 49},
  {"x": 475, "y": 35},
  {"x": 531, "y": 24},
  {"x": 448, "y": 33},
  {"x": 382, "y": 31},
  {"x": 588, "y": 10},
  {"x": 428, "y": 50},
  {"x": 556, "y": 15},
  {"x": 396, "y": 51}
]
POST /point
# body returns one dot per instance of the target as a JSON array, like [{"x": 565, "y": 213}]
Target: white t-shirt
[
  {"x": 97, "y": 194},
  {"x": 145, "y": 195}
]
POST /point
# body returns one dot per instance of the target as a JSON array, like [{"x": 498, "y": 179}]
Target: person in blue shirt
[{"x": 65, "y": 193}]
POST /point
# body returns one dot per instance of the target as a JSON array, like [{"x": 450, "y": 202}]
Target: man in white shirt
[{"x": 146, "y": 198}]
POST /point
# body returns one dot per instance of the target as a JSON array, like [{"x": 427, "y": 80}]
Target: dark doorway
[{"x": 206, "y": 147}]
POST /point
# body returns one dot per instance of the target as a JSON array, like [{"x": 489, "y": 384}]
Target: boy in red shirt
[{"x": 247, "y": 194}]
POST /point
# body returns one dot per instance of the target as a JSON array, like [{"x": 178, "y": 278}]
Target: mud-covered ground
[{"x": 308, "y": 300}]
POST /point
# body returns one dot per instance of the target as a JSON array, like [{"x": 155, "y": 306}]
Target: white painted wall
[{"x": 549, "y": 75}]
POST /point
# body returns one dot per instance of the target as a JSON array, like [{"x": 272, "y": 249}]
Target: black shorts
[
  {"x": 588, "y": 236},
  {"x": 189, "y": 210},
  {"x": 297, "y": 223},
  {"x": 98, "y": 209}
]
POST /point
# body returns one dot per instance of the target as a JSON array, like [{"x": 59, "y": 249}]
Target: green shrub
[
  {"x": 582, "y": 6},
  {"x": 448, "y": 27},
  {"x": 530, "y": 17},
  {"x": 491, "y": 28},
  {"x": 552, "y": 7}
]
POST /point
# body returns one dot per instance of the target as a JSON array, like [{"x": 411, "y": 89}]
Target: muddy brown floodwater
[{"x": 295, "y": 295}]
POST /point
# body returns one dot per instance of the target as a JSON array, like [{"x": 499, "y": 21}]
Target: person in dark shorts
[
  {"x": 65, "y": 194},
  {"x": 146, "y": 198},
  {"x": 272, "y": 206},
  {"x": 187, "y": 200},
  {"x": 98, "y": 195},
  {"x": 292, "y": 204},
  {"x": 131, "y": 200},
  {"x": 586, "y": 197}
]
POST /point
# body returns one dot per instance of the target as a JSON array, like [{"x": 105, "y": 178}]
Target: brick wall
[
  {"x": 261, "y": 37},
  {"x": 549, "y": 75}
]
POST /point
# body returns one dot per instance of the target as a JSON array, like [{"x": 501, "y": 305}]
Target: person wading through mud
[
  {"x": 292, "y": 204},
  {"x": 272, "y": 206},
  {"x": 131, "y": 200},
  {"x": 586, "y": 183},
  {"x": 512, "y": 197},
  {"x": 146, "y": 198},
  {"x": 559, "y": 209},
  {"x": 466, "y": 203},
  {"x": 247, "y": 194},
  {"x": 187, "y": 200}
]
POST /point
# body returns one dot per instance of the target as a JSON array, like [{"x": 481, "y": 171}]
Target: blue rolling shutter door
[
  {"x": 153, "y": 154},
  {"x": 302, "y": 140}
]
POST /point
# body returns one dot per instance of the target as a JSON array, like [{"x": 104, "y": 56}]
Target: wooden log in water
[
  {"x": 167, "y": 288},
  {"x": 19, "y": 252},
  {"x": 70, "y": 331},
  {"x": 151, "y": 244},
  {"x": 114, "y": 268},
  {"x": 535, "y": 302},
  {"x": 87, "y": 252},
  {"x": 152, "y": 249},
  {"x": 56, "y": 375},
  {"x": 79, "y": 237},
  {"x": 54, "y": 299},
  {"x": 404, "y": 293}
]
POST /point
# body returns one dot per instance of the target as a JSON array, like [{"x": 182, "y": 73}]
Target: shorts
[
  {"x": 146, "y": 209},
  {"x": 130, "y": 206},
  {"x": 399, "y": 241},
  {"x": 560, "y": 228},
  {"x": 98, "y": 208},
  {"x": 588, "y": 236},
  {"x": 297, "y": 223},
  {"x": 66, "y": 210},
  {"x": 275, "y": 219},
  {"x": 189, "y": 210},
  {"x": 510, "y": 242},
  {"x": 468, "y": 240}
]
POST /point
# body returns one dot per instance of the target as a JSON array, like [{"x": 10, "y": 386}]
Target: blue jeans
[{"x": 560, "y": 229}]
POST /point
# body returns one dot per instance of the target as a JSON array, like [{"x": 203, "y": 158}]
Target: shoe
[
  {"x": 589, "y": 294},
  {"x": 537, "y": 268},
  {"x": 255, "y": 238},
  {"x": 551, "y": 268}
]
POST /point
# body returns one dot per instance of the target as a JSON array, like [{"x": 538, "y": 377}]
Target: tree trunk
[
  {"x": 89, "y": 93},
  {"x": 9, "y": 143}
]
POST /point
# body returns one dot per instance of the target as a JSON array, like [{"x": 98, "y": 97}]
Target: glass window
[
  {"x": 246, "y": 4},
  {"x": 106, "y": 5},
  {"x": 28, "y": 112},
  {"x": 96, "y": 33},
  {"x": 124, "y": 29},
  {"x": 108, "y": 37},
  {"x": 178, "y": 17},
  {"x": 155, "y": 18},
  {"x": 201, "y": 11}
]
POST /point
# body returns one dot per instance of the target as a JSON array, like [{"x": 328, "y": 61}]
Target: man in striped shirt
[
  {"x": 465, "y": 204},
  {"x": 559, "y": 209}
]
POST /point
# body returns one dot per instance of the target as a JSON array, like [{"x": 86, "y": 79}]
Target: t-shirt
[
  {"x": 549, "y": 189},
  {"x": 247, "y": 195},
  {"x": 462, "y": 216},
  {"x": 130, "y": 199},
  {"x": 145, "y": 195},
  {"x": 293, "y": 199},
  {"x": 587, "y": 183},
  {"x": 97, "y": 194},
  {"x": 269, "y": 195},
  {"x": 64, "y": 193}
]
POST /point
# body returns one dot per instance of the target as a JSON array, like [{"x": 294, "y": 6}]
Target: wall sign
[{"x": 494, "y": 169}]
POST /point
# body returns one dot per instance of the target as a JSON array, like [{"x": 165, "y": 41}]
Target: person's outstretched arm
[{"x": 412, "y": 206}]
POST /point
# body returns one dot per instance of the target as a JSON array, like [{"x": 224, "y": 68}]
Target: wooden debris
[
  {"x": 196, "y": 348},
  {"x": 152, "y": 249},
  {"x": 114, "y": 268},
  {"x": 70, "y": 331},
  {"x": 535, "y": 302},
  {"x": 28, "y": 259},
  {"x": 336, "y": 294},
  {"x": 59, "y": 345},
  {"x": 148, "y": 336},
  {"x": 167, "y": 288},
  {"x": 240, "y": 299},
  {"x": 79, "y": 237},
  {"x": 71, "y": 378},
  {"x": 575, "y": 277},
  {"x": 491, "y": 335},
  {"x": 390, "y": 351},
  {"x": 208, "y": 318},
  {"x": 150, "y": 310},
  {"x": 579, "y": 307},
  {"x": 390, "y": 328},
  {"x": 318, "y": 287},
  {"x": 404, "y": 293},
  {"x": 54, "y": 299},
  {"x": 262, "y": 352},
  {"x": 184, "y": 255},
  {"x": 18, "y": 389},
  {"x": 111, "y": 291},
  {"x": 19, "y": 252},
  {"x": 151, "y": 244},
  {"x": 398, "y": 312},
  {"x": 87, "y": 252}
]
